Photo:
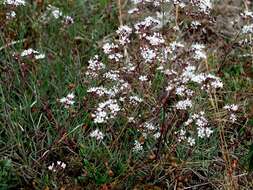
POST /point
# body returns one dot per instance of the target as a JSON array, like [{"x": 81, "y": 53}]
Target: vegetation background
[{"x": 36, "y": 130}]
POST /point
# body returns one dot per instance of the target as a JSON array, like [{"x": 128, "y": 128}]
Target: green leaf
[{"x": 103, "y": 3}]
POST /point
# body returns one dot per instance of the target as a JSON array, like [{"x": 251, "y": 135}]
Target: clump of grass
[{"x": 146, "y": 95}]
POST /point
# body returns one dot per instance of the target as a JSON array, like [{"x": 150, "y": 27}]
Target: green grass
[{"x": 35, "y": 129}]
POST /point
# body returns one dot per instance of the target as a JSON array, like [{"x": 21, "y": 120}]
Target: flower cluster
[
  {"x": 124, "y": 32},
  {"x": 94, "y": 66},
  {"x": 232, "y": 109},
  {"x": 105, "y": 111},
  {"x": 198, "y": 128},
  {"x": 112, "y": 50},
  {"x": 33, "y": 53},
  {"x": 14, "y": 2},
  {"x": 204, "y": 5},
  {"x": 56, "y": 13},
  {"x": 10, "y": 15},
  {"x": 68, "y": 100},
  {"x": 137, "y": 55},
  {"x": 97, "y": 134},
  {"x": 137, "y": 146},
  {"x": 59, "y": 165},
  {"x": 198, "y": 51}
]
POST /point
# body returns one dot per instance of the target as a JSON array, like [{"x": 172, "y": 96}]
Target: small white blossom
[
  {"x": 155, "y": 39},
  {"x": 68, "y": 100},
  {"x": 14, "y": 2},
  {"x": 135, "y": 99},
  {"x": 11, "y": 14},
  {"x": 56, "y": 167},
  {"x": 247, "y": 29},
  {"x": 148, "y": 23},
  {"x": 232, "y": 107},
  {"x": 130, "y": 119},
  {"x": 191, "y": 141},
  {"x": 149, "y": 126},
  {"x": 184, "y": 104},
  {"x": 51, "y": 167},
  {"x": 132, "y": 11},
  {"x": 181, "y": 136},
  {"x": 204, "y": 132},
  {"x": 175, "y": 45},
  {"x": 124, "y": 32},
  {"x": 97, "y": 134},
  {"x": 137, "y": 146},
  {"x": 33, "y": 52},
  {"x": 148, "y": 54},
  {"x": 94, "y": 66},
  {"x": 68, "y": 19},
  {"x": 157, "y": 135},
  {"x": 106, "y": 110},
  {"x": 195, "y": 24},
  {"x": 198, "y": 51},
  {"x": 143, "y": 78},
  {"x": 232, "y": 118},
  {"x": 204, "y": 5}
]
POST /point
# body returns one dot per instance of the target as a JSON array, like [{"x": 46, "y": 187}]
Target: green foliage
[
  {"x": 250, "y": 158},
  {"x": 8, "y": 179}
]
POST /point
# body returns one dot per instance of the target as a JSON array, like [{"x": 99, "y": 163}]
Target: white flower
[
  {"x": 208, "y": 132},
  {"x": 10, "y": 15},
  {"x": 143, "y": 78},
  {"x": 63, "y": 165},
  {"x": 94, "y": 66},
  {"x": 182, "y": 134},
  {"x": 132, "y": 11},
  {"x": 247, "y": 29},
  {"x": 149, "y": 126},
  {"x": 148, "y": 54},
  {"x": 68, "y": 100},
  {"x": 33, "y": 52},
  {"x": 130, "y": 119},
  {"x": 204, "y": 5},
  {"x": 181, "y": 90},
  {"x": 195, "y": 24},
  {"x": 232, "y": 118},
  {"x": 124, "y": 32},
  {"x": 51, "y": 167},
  {"x": 199, "y": 52},
  {"x": 232, "y": 107},
  {"x": 59, "y": 164},
  {"x": 137, "y": 146},
  {"x": 191, "y": 141},
  {"x": 135, "y": 99},
  {"x": 204, "y": 132},
  {"x": 112, "y": 75},
  {"x": 97, "y": 134},
  {"x": 146, "y": 24},
  {"x": 57, "y": 13},
  {"x": 155, "y": 39},
  {"x": 14, "y": 2},
  {"x": 184, "y": 104},
  {"x": 106, "y": 110},
  {"x": 157, "y": 135},
  {"x": 109, "y": 47},
  {"x": 28, "y": 52},
  {"x": 68, "y": 19},
  {"x": 40, "y": 56}
]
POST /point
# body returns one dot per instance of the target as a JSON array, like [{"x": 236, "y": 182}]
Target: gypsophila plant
[{"x": 126, "y": 94}]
